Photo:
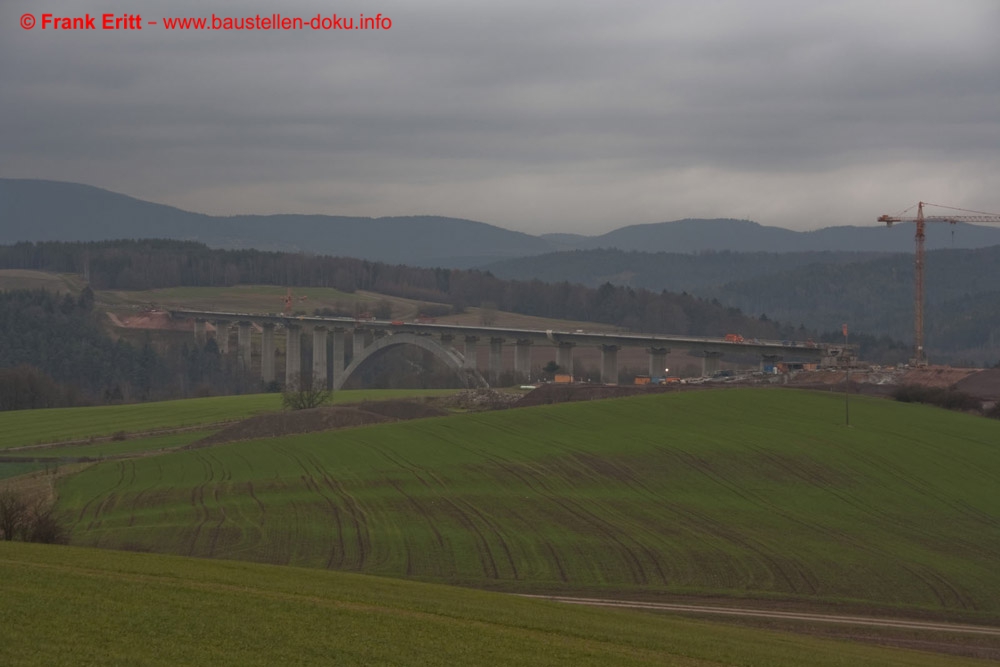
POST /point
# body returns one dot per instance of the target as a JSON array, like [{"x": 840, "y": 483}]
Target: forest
[{"x": 55, "y": 350}]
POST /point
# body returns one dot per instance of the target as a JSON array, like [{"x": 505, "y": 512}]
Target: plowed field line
[{"x": 930, "y": 626}]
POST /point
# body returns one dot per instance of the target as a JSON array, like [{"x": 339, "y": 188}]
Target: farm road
[{"x": 782, "y": 615}]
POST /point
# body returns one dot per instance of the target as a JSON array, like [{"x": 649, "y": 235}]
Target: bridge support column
[
  {"x": 470, "y": 352},
  {"x": 222, "y": 336},
  {"x": 293, "y": 357},
  {"x": 338, "y": 355},
  {"x": 657, "y": 361},
  {"x": 522, "y": 360},
  {"x": 243, "y": 346},
  {"x": 199, "y": 332},
  {"x": 319, "y": 358},
  {"x": 362, "y": 339},
  {"x": 710, "y": 363},
  {"x": 496, "y": 359},
  {"x": 267, "y": 352},
  {"x": 609, "y": 364},
  {"x": 564, "y": 357},
  {"x": 768, "y": 360}
]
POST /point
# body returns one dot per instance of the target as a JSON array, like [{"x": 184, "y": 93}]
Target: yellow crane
[{"x": 918, "y": 307}]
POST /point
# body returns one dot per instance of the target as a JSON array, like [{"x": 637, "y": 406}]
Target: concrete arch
[{"x": 451, "y": 357}]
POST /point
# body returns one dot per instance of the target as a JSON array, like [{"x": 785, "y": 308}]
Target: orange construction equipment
[
  {"x": 920, "y": 219},
  {"x": 289, "y": 300},
  {"x": 734, "y": 338}
]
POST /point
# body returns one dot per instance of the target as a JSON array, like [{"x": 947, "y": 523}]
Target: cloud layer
[{"x": 575, "y": 117}]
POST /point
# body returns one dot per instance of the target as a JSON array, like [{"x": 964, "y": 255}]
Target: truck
[{"x": 734, "y": 338}]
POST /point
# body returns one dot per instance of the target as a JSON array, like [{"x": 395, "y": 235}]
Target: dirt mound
[
  {"x": 984, "y": 385},
  {"x": 481, "y": 399},
  {"x": 548, "y": 394},
  {"x": 401, "y": 410},
  {"x": 156, "y": 319},
  {"x": 320, "y": 419},
  {"x": 936, "y": 376},
  {"x": 289, "y": 423}
]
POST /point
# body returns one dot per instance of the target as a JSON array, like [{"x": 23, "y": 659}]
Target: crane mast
[{"x": 919, "y": 359}]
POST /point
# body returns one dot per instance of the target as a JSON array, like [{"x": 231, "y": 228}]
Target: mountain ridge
[{"x": 42, "y": 210}]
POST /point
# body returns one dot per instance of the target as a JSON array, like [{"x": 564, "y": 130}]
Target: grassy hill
[
  {"x": 63, "y": 605},
  {"x": 757, "y": 493},
  {"x": 29, "y": 427}
]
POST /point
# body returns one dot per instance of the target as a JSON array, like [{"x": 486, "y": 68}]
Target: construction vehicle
[
  {"x": 920, "y": 219},
  {"x": 288, "y": 300},
  {"x": 734, "y": 338}
]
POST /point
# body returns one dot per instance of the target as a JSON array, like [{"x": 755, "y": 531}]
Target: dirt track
[{"x": 868, "y": 621}]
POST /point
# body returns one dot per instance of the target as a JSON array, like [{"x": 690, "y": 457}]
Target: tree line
[{"x": 150, "y": 264}]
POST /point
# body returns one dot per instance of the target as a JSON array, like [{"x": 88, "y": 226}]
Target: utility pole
[{"x": 847, "y": 385}]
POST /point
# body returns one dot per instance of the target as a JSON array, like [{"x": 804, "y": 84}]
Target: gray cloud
[{"x": 565, "y": 117}]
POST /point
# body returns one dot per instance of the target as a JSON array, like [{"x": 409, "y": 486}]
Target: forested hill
[
  {"x": 153, "y": 264},
  {"x": 699, "y": 235},
  {"x": 32, "y": 210},
  {"x": 872, "y": 291},
  {"x": 662, "y": 270}
]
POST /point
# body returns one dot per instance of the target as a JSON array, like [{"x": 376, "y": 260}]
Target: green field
[
  {"x": 27, "y": 427},
  {"x": 757, "y": 493},
  {"x": 76, "y": 606}
]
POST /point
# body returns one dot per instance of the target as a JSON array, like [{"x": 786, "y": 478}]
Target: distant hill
[
  {"x": 32, "y": 210},
  {"x": 657, "y": 271},
  {"x": 689, "y": 235},
  {"x": 35, "y": 210},
  {"x": 873, "y": 291}
]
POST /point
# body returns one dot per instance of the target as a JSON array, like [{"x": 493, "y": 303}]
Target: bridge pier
[
  {"x": 222, "y": 336},
  {"x": 470, "y": 352},
  {"x": 362, "y": 338},
  {"x": 768, "y": 360},
  {"x": 710, "y": 363},
  {"x": 267, "y": 352},
  {"x": 338, "y": 356},
  {"x": 496, "y": 359},
  {"x": 522, "y": 359},
  {"x": 293, "y": 357},
  {"x": 199, "y": 331},
  {"x": 564, "y": 357},
  {"x": 319, "y": 358},
  {"x": 245, "y": 358},
  {"x": 609, "y": 364},
  {"x": 657, "y": 361}
]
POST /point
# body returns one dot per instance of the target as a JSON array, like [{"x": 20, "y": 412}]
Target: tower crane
[{"x": 918, "y": 308}]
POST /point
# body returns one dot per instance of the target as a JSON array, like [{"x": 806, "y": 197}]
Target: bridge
[{"x": 457, "y": 345}]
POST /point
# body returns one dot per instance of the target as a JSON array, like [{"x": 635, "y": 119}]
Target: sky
[{"x": 534, "y": 116}]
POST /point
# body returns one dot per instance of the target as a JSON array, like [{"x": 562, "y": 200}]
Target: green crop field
[
  {"x": 757, "y": 493},
  {"x": 115, "y": 448},
  {"x": 27, "y": 427},
  {"x": 63, "y": 605},
  {"x": 239, "y": 298}
]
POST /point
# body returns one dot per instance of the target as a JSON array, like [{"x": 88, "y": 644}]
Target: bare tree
[
  {"x": 20, "y": 521},
  {"x": 14, "y": 516},
  {"x": 296, "y": 397}
]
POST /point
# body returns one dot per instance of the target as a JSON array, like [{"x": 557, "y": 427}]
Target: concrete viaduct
[{"x": 456, "y": 346}]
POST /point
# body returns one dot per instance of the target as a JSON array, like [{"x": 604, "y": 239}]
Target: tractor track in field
[
  {"x": 129, "y": 436},
  {"x": 469, "y": 509},
  {"x": 354, "y": 510},
  {"x": 582, "y": 514},
  {"x": 749, "y": 612},
  {"x": 198, "y": 501},
  {"x": 467, "y": 514}
]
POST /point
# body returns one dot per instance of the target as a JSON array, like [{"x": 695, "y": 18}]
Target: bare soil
[{"x": 320, "y": 419}]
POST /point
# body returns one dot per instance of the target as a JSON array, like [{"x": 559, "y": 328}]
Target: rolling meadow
[{"x": 748, "y": 493}]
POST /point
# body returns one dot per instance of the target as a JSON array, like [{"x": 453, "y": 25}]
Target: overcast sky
[{"x": 532, "y": 115}]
